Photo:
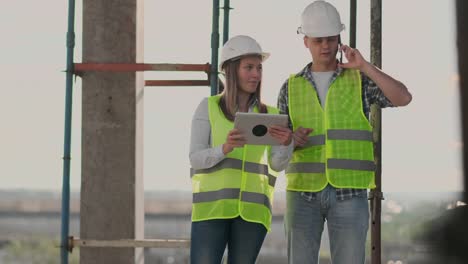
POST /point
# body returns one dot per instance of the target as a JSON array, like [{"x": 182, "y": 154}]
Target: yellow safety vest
[
  {"x": 339, "y": 150},
  {"x": 240, "y": 185}
]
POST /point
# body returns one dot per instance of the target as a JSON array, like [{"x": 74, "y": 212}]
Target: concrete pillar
[{"x": 112, "y": 131}]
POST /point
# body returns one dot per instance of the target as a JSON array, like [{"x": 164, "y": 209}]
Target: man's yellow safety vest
[
  {"x": 240, "y": 185},
  {"x": 339, "y": 150}
]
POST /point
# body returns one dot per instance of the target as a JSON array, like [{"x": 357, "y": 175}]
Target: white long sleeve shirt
[{"x": 203, "y": 156}]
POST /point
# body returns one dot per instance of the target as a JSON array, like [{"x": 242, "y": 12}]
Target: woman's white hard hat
[
  {"x": 239, "y": 46},
  {"x": 320, "y": 19}
]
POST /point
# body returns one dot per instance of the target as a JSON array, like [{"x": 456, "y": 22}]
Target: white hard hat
[
  {"x": 320, "y": 19},
  {"x": 239, "y": 46}
]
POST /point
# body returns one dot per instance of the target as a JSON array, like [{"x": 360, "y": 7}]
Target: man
[{"x": 332, "y": 167}]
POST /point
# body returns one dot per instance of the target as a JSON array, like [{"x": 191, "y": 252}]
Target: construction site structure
[{"x": 111, "y": 207}]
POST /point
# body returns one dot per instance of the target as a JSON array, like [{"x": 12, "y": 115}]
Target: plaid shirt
[{"x": 371, "y": 94}]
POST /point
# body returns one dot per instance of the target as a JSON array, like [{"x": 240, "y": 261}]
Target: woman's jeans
[
  {"x": 209, "y": 239},
  {"x": 347, "y": 222}
]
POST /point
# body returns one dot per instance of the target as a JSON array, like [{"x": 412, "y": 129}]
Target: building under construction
[{"x": 113, "y": 80}]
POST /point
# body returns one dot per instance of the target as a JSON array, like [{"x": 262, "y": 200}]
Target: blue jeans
[
  {"x": 209, "y": 239},
  {"x": 347, "y": 222}
]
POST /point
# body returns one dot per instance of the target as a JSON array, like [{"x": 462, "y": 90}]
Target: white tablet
[{"x": 255, "y": 126}]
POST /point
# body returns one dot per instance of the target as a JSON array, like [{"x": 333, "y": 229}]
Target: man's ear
[{"x": 306, "y": 43}]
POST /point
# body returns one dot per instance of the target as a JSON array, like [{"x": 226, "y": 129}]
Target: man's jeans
[
  {"x": 209, "y": 238},
  {"x": 347, "y": 223}
]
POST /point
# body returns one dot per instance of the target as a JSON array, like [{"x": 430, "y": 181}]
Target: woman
[{"x": 232, "y": 182}]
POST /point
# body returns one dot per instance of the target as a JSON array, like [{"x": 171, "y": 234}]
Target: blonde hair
[{"x": 228, "y": 101}]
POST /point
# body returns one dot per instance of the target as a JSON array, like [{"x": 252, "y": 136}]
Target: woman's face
[{"x": 250, "y": 74}]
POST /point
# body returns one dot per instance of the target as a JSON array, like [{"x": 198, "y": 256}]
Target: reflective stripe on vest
[
  {"x": 349, "y": 134},
  {"x": 347, "y": 164},
  {"x": 339, "y": 151},
  {"x": 232, "y": 193},
  {"x": 237, "y": 164},
  {"x": 314, "y": 141},
  {"x": 242, "y": 184},
  {"x": 309, "y": 167}
]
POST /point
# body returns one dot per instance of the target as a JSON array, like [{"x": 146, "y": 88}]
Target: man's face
[{"x": 323, "y": 49}]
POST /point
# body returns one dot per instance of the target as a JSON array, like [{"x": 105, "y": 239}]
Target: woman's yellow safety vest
[
  {"x": 240, "y": 185},
  {"x": 339, "y": 150}
]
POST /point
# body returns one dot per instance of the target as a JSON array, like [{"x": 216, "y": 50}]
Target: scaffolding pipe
[
  {"x": 226, "y": 8},
  {"x": 214, "y": 48},
  {"x": 132, "y": 67},
  {"x": 130, "y": 243},
  {"x": 64, "y": 245},
  {"x": 462, "y": 42},
  {"x": 352, "y": 23},
  {"x": 376, "y": 195},
  {"x": 177, "y": 83}
]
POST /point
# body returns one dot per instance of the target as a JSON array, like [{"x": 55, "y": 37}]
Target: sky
[{"x": 421, "y": 142}]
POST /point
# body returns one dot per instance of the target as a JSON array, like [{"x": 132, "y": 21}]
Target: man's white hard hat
[
  {"x": 239, "y": 46},
  {"x": 320, "y": 19}
]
